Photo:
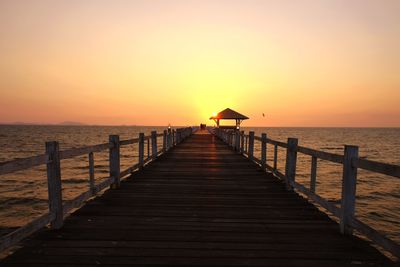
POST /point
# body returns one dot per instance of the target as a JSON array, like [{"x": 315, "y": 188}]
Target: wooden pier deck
[{"x": 200, "y": 204}]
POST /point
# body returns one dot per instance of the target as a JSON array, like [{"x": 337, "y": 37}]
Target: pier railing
[
  {"x": 351, "y": 162},
  {"x": 58, "y": 209}
]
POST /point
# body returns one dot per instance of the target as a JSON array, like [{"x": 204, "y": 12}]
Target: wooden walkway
[{"x": 198, "y": 205}]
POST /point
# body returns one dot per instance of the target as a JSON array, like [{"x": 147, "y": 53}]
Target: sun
[{"x": 214, "y": 114}]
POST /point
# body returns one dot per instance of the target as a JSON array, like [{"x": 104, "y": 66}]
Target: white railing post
[
  {"x": 169, "y": 143},
  {"x": 263, "y": 151},
  {"x": 237, "y": 141},
  {"x": 242, "y": 142},
  {"x": 54, "y": 184},
  {"x": 251, "y": 145},
  {"x": 165, "y": 148},
  {"x": 275, "y": 157},
  {"x": 313, "y": 181},
  {"x": 153, "y": 145},
  {"x": 291, "y": 160},
  {"x": 349, "y": 182},
  {"x": 141, "y": 150},
  {"x": 91, "y": 174},
  {"x": 114, "y": 160}
]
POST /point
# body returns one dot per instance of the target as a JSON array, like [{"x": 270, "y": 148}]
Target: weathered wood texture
[{"x": 200, "y": 204}]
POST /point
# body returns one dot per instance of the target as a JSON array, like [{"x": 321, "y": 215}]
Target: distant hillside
[{"x": 71, "y": 123}]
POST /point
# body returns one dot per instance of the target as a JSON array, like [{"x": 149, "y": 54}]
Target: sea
[{"x": 23, "y": 194}]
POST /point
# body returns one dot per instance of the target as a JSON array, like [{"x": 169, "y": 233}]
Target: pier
[{"x": 200, "y": 198}]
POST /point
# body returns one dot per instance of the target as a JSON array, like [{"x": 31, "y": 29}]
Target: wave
[
  {"x": 75, "y": 180},
  {"x": 21, "y": 200}
]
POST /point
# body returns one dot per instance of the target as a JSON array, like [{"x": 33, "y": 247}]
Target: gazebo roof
[{"x": 229, "y": 114}]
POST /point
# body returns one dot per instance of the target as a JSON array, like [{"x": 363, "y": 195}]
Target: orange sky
[{"x": 302, "y": 63}]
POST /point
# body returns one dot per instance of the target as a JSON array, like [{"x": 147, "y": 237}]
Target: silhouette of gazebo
[{"x": 229, "y": 114}]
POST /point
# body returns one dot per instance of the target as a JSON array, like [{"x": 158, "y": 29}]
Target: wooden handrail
[
  {"x": 22, "y": 164},
  {"x": 379, "y": 167},
  {"x": 350, "y": 161},
  {"x": 59, "y": 210}
]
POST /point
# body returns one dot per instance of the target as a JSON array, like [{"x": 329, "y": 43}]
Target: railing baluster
[
  {"x": 114, "y": 159},
  {"x": 141, "y": 150},
  {"x": 165, "y": 148},
  {"x": 242, "y": 142},
  {"x": 348, "y": 189},
  {"x": 313, "y": 181},
  {"x": 291, "y": 159},
  {"x": 237, "y": 141},
  {"x": 275, "y": 157},
  {"x": 263, "y": 151},
  {"x": 251, "y": 145},
  {"x": 91, "y": 173},
  {"x": 153, "y": 145},
  {"x": 148, "y": 147},
  {"x": 54, "y": 184},
  {"x": 169, "y": 143}
]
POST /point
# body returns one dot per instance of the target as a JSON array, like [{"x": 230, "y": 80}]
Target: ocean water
[{"x": 23, "y": 195}]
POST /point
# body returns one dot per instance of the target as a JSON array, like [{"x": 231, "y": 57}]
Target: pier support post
[
  {"x": 275, "y": 157},
  {"x": 169, "y": 136},
  {"x": 313, "y": 180},
  {"x": 141, "y": 150},
  {"x": 91, "y": 174},
  {"x": 291, "y": 160},
  {"x": 54, "y": 184},
  {"x": 251, "y": 145},
  {"x": 165, "y": 148},
  {"x": 114, "y": 160},
  {"x": 349, "y": 182},
  {"x": 242, "y": 142},
  {"x": 153, "y": 145},
  {"x": 263, "y": 151},
  {"x": 237, "y": 141}
]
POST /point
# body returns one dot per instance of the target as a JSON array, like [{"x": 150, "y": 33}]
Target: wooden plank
[
  {"x": 76, "y": 202},
  {"x": 321, "y": 154},
  {"x": 22, "y": 164},
  {"x": 386, "y": 243},
  {"x": 104, "y": 184},
  {"x": 277, "y": 143},
  {"x": 129, "y": 170},
  {"x": 75, "y": 152},
  {"x": 319, "y": 200},
  {"x": 54, "y": 184},
  {"x": 16, "y": 236},
  {"x": 379, "y": 167},
  {"x": 128, "y": 142}
]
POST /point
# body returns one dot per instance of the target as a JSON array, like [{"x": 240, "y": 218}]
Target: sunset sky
[{"x": 301, "y": 62}]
